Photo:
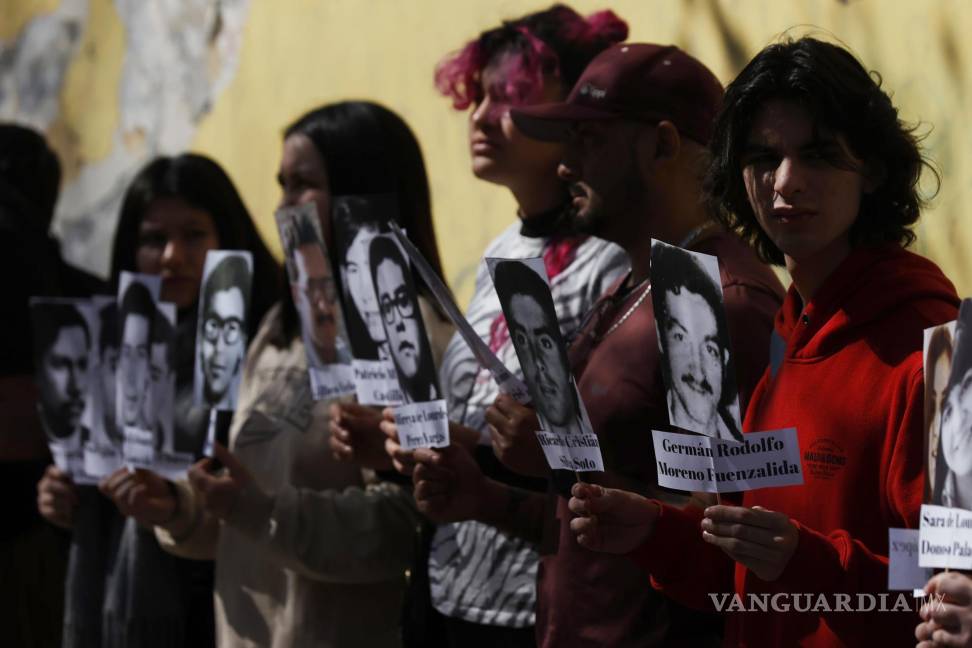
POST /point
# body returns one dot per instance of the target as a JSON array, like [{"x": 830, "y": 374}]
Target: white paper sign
[
  {"x": 423, "y": 425},
  {"x": 700, "y": 463},
  {"x": 376, "y": 382},
  {"x": 138, "y": 447},
  {"x": 945, "y": 537},
  {"x": 904, "y": 573},
  {"x": 332, "y": 381},
  {"x": 508, "y": 383},
  {"x": 577, "y": 452}
]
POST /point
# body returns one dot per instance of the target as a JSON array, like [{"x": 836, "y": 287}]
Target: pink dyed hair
[{"x": 557, "y": 42}]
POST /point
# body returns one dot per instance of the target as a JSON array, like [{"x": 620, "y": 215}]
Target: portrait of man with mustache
[
  {"x": 694, "y": 341},
  {"x": 540, "y": 348},
  {"x": 398, "y": 304}
]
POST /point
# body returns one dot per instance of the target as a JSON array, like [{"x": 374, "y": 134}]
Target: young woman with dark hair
[
  {"x": 175, "y": 210},
  {"x": 531, "y": 59},
  {"x": 309, "y": 551},
  {"x": 812, "y": 164}
]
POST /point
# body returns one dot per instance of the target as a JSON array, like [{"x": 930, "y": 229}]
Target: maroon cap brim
[{"x": 551, "y": 122}]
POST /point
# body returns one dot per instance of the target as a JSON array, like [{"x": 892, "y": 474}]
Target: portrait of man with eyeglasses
[
  {"x": 408, "y": 342},
  {"x": 221, "y": 338}
]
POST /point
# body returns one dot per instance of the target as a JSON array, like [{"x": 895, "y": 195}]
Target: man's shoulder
[{"x": 739, "y": 265}]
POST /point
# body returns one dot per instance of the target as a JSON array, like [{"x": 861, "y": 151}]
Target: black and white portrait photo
[
  {"x": 693, "y": 338},
  {"x": 937, "y": 350},
  {"x": 104, "y": 428},
  {"x": 137, "y": 296},
  {"x": 63, "y": 345},
  {"x": 524, "y": 295},
  {"x": 313, "y": 287},
  {"x": 162, "y": 376},
  {"x": 221, "y": 335},
  {"x": 953, "y": 467},
  {"x": 408, "y": 343},
  {"x": 357, "y": 220}
]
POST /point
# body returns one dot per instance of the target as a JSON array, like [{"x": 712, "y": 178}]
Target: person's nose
[
  {"x": 173, "y": 254},
  {"x": 482, "y": 114},
  {"x": 788, "y": 180},
  {"x": 73, "y": 381}
]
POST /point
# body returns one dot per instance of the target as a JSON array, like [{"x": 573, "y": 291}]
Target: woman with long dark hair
[
  {"x": 122, "y": 589},
  {"x": 309, "y": 551}
]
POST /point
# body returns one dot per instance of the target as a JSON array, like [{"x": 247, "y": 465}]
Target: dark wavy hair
[
  {"x": 939, "y": 349},
  {"x": 842, "y": 98},
  {"x": 201, "y": 183},
  {"x": 557, "y": 41},
  {"x": 367, "y": 149}
]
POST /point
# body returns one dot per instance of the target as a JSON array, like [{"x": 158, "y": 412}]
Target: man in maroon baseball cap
[
  {"x": 635, "y": 127},
  {"x": 636, "y": 81}
]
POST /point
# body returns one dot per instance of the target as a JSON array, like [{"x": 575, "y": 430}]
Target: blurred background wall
[{"x": 115, "y": 82}]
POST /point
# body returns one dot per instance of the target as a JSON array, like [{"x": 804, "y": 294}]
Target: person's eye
[
  {"x": 152, "y": 239},
  {"x": 712, "y": 350},
  {"x": 547, "y": 343},
  {"x": 519, "y": 339},
  {"x": 678, "y": 336}
]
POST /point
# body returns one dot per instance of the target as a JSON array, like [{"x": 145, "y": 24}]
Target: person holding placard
[
  {"x": 811, "y": 164},
  {"x": 174, "y": 211},
  {"x": 309, "y": 551},
  {"x": 633, "y": 179},
  {"x": 953, "y": 488}
]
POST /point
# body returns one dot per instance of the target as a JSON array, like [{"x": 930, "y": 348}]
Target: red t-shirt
[{"x": 595, "y": 599}]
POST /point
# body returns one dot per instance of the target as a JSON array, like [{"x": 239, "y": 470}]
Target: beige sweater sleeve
[
  {"x": 353, "y": 535},
  {"x": 192, "y": 533}
]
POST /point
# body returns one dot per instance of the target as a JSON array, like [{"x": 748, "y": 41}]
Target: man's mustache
[
  {"x": 405, "y": 344},
  {"x": 699, "y": 385}
]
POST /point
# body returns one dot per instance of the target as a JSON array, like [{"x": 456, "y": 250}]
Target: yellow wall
[{"x": 297, "y": 54}]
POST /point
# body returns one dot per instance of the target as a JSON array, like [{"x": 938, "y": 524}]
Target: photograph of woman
[
  {"x": 938, "y": 364},
  {"x": 953, "y": 476}
]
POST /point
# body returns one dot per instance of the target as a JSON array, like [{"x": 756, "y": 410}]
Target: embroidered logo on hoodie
[{"x": 824, "y": 459}]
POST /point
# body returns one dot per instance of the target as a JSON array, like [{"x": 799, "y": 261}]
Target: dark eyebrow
[
  {"x": 543, "y": 330},
  {"x": 674, "y": 320}
]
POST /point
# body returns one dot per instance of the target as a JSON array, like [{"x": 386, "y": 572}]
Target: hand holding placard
[
  {"x": 761, "y": 540},
  {"x": 611, "y": 520},
  {"x": 448, "y": 484}
]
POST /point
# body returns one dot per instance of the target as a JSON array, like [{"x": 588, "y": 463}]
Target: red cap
[{"x": 638, "y": 81}]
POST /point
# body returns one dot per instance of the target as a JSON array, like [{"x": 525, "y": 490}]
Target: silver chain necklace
[{"x": 690, "y": 239}]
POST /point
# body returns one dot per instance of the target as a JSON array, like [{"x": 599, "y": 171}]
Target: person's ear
[{"x": 668, "y": 143}]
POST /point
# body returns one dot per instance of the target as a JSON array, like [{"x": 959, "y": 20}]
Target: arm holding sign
[
  {"x": 513, "y": 429},
  {"x": 450, "y": 487}
]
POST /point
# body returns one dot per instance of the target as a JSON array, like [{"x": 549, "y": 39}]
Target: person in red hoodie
[{"x": 810, "y": 164}]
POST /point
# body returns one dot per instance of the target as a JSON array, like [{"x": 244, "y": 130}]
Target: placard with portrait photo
[
  {"x": 63, "y": 361},
  {"x": 952, "y": 468},
  {"x": 356, "y": 221},
  {"x": 315, "y": 292},
  {"x": 137, "y": 300},
  {"x": 221, "y": 333},
  {"x": 937, "y": 352},
  {"x": 693, "y": 340},
  {"x": 524, "y": 295},
  {"x": 103, "y": 451},
  {"x": 507, "y": 381}
]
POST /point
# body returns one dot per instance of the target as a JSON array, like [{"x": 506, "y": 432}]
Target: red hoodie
[{"x": 850, "y": 381}]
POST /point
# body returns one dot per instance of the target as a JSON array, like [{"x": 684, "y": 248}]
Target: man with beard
[
  {"x": 539, "y": 345},
  {"x": 635, "y": 127},
  {"x": 64, "y": 344},
  {"x": 225, "y": 304},
  {"x": 315, "y": 295},
  {"x": 398, "y": 303}
]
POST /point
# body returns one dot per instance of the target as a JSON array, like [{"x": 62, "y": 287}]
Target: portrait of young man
[
  {"x": 162, "y": 376},
  {"x": 398, "y": 304},
  {"x": 532, "y": 321},
  {"x": 62, "y": 341},
  {"x": 107, "y": 369},
  {"x": 221, "y": 337},
  {"x": 693, "y": 338},
  {"x": 313, "y": 288},
  {"x": 136, "y": 314}
]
